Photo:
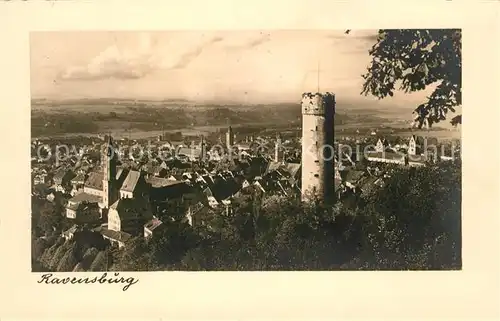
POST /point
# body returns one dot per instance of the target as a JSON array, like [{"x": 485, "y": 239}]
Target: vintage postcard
[
  {"x": 247, "y": 148},
  {"x": 201, "y": 151}
]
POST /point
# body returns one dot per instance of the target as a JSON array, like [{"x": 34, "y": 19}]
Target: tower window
[{"x": 316, "y": 175}]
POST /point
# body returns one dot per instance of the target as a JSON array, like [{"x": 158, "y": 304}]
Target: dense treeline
[
  {"x": 414, "y": 222},
  {"x": 83, "y": 253}
]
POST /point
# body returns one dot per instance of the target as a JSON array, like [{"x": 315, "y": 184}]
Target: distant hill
[
  {"x": 83, "y": 119},
  {"x": 55, "y": 117},
  {"x": 96, "y": 102}
]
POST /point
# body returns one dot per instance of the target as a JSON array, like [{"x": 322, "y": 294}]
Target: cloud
[
  {"x": 251, "y": 43},
  {"x": 134, "y": 62},
  {"x": 256, "y": 42},
  {"x": 187, "y": 57},
  {"x": 114, "y": 62},
  {"x": 82, "y": 73}
]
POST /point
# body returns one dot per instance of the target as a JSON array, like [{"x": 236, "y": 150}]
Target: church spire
[{"x": 109, "y": 172}]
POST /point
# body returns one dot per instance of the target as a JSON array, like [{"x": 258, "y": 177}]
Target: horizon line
[{"x": 196, "y": 101}]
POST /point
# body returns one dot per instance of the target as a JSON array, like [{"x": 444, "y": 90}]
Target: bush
[
  {"x": 38, "y": 248},
  {"x": 89, "y": 257},
  {"x": 68, "y": 261},
  {"x": 100, "y": 262},
  {"x": 79, "y": 268},
  {"x": 59, "y": 254}
]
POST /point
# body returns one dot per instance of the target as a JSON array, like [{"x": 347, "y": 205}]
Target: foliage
[
  {"x": 414, "y": 222},
  {"x": 79, "y": 268},
  {"x": 47, "y": 217},
  {"x": 135, "y": 257},
  {"x": 38, "y": 247},
  {"x": 88, "y": 258},
  {"x": 46, "y": 258},
  {"x": 411, "y": 223},
  {"x": 100, "y": 262},
  {"x": 418, "y": 58},
  {"x": 170, "y": 242},
  {"x": 69, "y": 260},
  {"x": 59, "y": 254}
]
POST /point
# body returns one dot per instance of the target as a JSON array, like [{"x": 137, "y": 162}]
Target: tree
[
  {"x": 171, "y": 242},
  {"x": 59, "y": 254},
  {"x": 100, "y": 262},
  {"x": 79, "y": 268},
  {"x": 88, "y": 258},
  {"x": 414, "y": 221},
  {"x": 48, "y": 217},
  {"x": 68, "y": 261},
  {"x": 46, "y": 257},
  {"x": 39, "y": 246},
  {"x": 134, "y": 257},
  {"x": 418, "y": 58}
]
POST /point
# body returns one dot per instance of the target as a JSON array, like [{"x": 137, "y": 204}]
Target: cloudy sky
[{"x": 254, "y": 66}]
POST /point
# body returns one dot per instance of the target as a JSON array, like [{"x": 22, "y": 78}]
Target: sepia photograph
[{"x": 246, "y": 150}]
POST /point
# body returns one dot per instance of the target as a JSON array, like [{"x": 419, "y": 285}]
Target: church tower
[
  {"x": 229, "y": 138},
  {"x": 278, "y": 149},
  {"x": 203, "y": 148},
  {"x": 109, "y": 188},
  {"x": 318, "y": 111}
]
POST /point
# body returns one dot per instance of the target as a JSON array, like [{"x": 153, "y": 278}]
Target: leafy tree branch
[{"x": 416, "y": 59}]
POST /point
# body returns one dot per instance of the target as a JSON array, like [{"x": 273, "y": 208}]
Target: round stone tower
[{"x": 318, "y": 112}]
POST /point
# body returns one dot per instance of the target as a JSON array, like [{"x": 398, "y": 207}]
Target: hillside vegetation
[{"x": 414, "y": 222}]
